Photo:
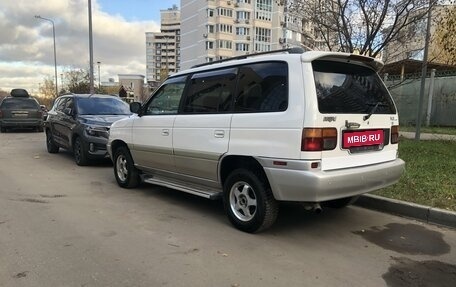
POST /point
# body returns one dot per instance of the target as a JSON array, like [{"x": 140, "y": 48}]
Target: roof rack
[{"x": 293, "y": 50}]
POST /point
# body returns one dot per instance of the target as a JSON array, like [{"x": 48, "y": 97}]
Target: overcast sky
[{"x": 119, "y": 26}]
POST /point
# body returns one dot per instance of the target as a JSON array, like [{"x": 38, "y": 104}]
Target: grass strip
[
  {"x": 430, "y": 174},
  {"x": 430, "y": 130}
]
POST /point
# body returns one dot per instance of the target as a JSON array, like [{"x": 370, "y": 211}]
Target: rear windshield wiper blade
[{"x": 366, "y": 117}]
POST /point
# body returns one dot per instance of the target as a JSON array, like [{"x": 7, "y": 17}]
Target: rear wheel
[
  {"x": 3, "y": 129},
  {"x": 125, "y": 172},
  {"x": 80, "y": 153},
  {"x": 248, "y": 201},
  {"x": 50, "y": 145}
]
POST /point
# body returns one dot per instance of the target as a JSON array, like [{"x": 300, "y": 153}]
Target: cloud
[{"x": 26, "y": 47}]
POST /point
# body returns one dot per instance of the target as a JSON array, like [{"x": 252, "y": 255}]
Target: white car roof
[{"x": 280, "y": 56}]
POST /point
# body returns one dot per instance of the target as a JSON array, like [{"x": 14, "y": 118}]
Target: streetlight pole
[
  {"x": 92, "y": 89},
  {"x": 423, "y": 72},
  {"x": 55, "y": 53}
]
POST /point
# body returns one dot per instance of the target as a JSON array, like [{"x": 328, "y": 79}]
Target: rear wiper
[{"x": 366, "y": 117}]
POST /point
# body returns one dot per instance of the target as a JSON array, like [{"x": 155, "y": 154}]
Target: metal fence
[{"x": 440, "y": 111}]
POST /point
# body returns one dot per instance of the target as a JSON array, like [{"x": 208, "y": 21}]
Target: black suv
[
  {"x": 80, "y": 123},
  {"x": 20, "y": 110}
]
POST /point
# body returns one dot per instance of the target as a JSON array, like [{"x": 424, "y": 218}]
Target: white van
[{"x": 310, "y": 127}]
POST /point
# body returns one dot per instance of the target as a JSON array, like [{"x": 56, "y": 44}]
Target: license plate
[
  {"x": 20, "y": 114},
  {"x": 362, "y": 138}
]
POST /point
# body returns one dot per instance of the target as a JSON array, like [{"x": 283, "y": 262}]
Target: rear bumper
[
  {"x": 21, "y": 123},
  {"x": 307, "y": 185}
]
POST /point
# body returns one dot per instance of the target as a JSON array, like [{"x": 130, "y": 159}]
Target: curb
[
  {"x": 403, "y": 208},
  {"x": 426, "y": 136}
]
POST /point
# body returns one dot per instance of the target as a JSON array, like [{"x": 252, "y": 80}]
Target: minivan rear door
[{"x": 352, "y": 98}]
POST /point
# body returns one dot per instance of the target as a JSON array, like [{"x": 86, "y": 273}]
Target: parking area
[{"x": 65, "y": 225}]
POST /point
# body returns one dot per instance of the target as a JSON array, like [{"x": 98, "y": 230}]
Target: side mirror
[
  {"x": 68, "y": 111},
  {"x": 135, "y": 107}
]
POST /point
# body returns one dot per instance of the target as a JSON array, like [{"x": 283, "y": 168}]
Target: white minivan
[{"x": 309, "y": 127}]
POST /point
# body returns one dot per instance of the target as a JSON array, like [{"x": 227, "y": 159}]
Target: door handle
[
  {"x": 165, "y": 132},
  {"x": 219, "y": 133}
]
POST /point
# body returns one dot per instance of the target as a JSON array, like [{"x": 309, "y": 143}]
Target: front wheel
[
  {"x": 249, "y": 202},
  {"x": 50, "y": 145},
  {"x": 127, "y": 176},
  {"x": 80, "y": 153}
]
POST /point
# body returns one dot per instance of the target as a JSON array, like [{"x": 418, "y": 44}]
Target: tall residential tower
[
  {"x": 218, "y": 29},
  {"x": 163, "y": 48}
]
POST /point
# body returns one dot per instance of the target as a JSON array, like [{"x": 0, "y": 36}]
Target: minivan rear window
[
  {"x": 19, "y": 103},
  {"x": 344, "y": 88}
]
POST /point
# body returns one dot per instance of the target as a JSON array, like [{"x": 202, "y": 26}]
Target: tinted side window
[
  {"x": 211, "y": 92},
  {"x": 166, "y": 100},
  {"x": 350, "y": 89},
  {"x": 60, "y": 104},
  {"x": 69, "y": 104},
  {"x": 263, "y": 87}
]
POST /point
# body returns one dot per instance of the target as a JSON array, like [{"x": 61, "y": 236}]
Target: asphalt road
[{"x": 64, "y": 225}]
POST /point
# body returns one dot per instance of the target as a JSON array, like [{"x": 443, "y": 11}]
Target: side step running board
[{"x": 203, "y": 191}]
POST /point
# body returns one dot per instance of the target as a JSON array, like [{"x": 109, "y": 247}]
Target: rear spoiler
[{"x": 346, "y": 57}]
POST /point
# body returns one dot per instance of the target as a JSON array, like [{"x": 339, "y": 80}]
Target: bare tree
[
  {"x": 363, "y": 26},
  {"x": 47, "y": 88},
  {"x": 3, "y": 94},
  {"x": 77, "y": 81}
]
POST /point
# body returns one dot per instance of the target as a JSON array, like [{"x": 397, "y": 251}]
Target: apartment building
[
  {"x": 218, "y": 29},
  {"x": 410, "y": 43},
  {"x": 163, "y": 48}
]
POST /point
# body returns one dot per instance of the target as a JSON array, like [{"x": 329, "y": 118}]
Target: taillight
[
  {"x": 318, "y": 139},
  {"x": 394, "y": 134}
]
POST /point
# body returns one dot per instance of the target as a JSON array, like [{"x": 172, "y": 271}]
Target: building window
[
  {"x": 209, "y": 45},
  {"x": 225, "y": 12},
  {"x": 210, "y": 12},
  {"x": 225, "y": 44},
  {"x": 224, "y": 28},
  {"x": 242, "y": 47},
  {"x": 263, "y": 35},
  {"x": 264, "y": 10},
  {"x": 210, "y": 28},
  {"x": 242, "y": 15},
  {"x": 261, "y": 47},
  {"x": 242, "y": 31}
]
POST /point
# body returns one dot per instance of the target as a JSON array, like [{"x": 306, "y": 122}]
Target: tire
[
  {"x": 125, "y": 172},
  {"x": 80, "y": 153},
  {"x": 341, "y": 202},
  {"x": 39, "y": 129},
  {"x": 50, "y": 144},
  {"x": 3, "y": 129},
  {"x": 248, "y": 201}
]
